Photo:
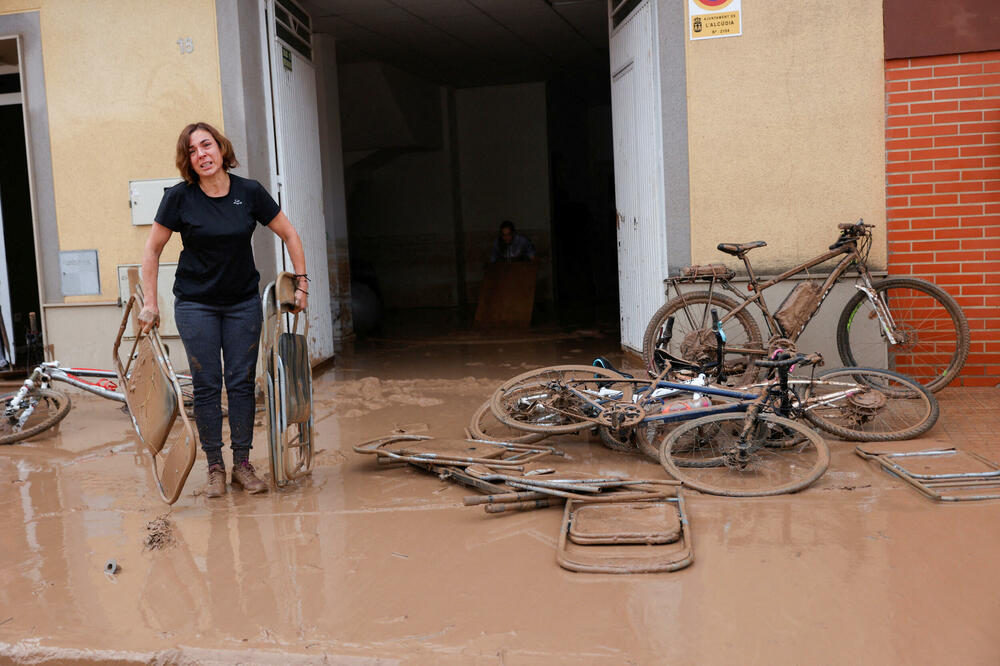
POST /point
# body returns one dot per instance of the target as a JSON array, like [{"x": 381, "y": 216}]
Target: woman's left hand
[{"x": 301, "y": 301}]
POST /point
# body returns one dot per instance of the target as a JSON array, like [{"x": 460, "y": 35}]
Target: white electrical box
[
  {"x": 164, "y": 296},
  {"x": 145, "y": 196},
  {"x": 79, "y": 273}
]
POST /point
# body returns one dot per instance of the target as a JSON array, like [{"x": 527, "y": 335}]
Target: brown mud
[{"x": 362, "y": 564}]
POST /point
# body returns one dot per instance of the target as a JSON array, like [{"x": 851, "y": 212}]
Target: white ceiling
[{"x": 469, "y": 42}]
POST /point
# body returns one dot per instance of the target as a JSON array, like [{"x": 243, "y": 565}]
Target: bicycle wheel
[
  {"x": 649, "y": 436},
  {"x": 932, "y": 332},
  {"x": 486, "y": 426},
  {"x": 558, "y": 399},
  {"x": 48, "y": 407},
  {"x": 868, "y": 405},
  {"x": 692, "y": 339},
  {"x": 782, "y": 456}
]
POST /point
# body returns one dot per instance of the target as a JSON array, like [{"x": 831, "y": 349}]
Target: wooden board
[{"x": 507, "y": 295}]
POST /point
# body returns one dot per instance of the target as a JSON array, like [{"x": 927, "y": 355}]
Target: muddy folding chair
[
  {"x": 154, "y": 401},
  {"x": 942, "y": 473},
  {"x": 286, "y": 379},
  {"x": 442, "y": 452},
  {"x": 643, "y": 536}
]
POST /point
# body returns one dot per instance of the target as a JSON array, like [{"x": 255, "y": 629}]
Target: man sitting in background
[{"x": 511, "y": 246}]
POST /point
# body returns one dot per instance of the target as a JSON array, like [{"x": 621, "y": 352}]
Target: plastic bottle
[{"x": 683, "y": 405}]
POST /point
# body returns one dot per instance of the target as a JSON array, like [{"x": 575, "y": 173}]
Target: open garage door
[
  {"x": 298, "y": 178},
  {"x": 641, "y": 219}
]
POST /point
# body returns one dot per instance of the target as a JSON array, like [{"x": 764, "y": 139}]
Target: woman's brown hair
[{"x": 183, "y": 158}]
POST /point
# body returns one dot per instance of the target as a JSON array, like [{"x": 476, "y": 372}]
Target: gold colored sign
[{"x": 715, "y": 25}]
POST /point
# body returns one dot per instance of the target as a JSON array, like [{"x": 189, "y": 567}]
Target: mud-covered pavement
[{"x": 359, "y": 564}]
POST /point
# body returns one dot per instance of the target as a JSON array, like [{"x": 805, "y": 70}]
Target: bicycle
[
  {"x": 36, "y": 406},
  {"x": 858, "y": 403},
  {"x": 761, "y": 452},
  {"x": 926, "y": 332}
]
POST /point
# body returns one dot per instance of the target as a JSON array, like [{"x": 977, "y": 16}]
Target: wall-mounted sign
[
  {"x": 78, "y": 269},
  {"x": 714, "y": 18}
]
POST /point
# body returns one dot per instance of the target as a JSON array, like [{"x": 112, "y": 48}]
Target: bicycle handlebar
[
  {"x": 788, "y": 361},
  {"x": 856, "y": 228},
  {"x": 849, "y": 232}
]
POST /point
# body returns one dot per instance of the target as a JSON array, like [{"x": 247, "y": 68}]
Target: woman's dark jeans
[{"x": 213, "y": 335}]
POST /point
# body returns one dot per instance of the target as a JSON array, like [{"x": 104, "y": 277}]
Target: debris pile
[
  {"x": 160, "y": 533},
  {"x": 628, "y": 525}
]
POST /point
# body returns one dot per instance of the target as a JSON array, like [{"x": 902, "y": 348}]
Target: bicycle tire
[
  {"x": 649, "y": 436},
  {"x": 785, "y": 456},
  {"x": 548, "y": 413},
  {"x": 615, "y": 442},
  {"x": 886, "y": 407},
  {"x": 484, "y": 425},
  {"x": 861, "y": 340},
  {"x": 60, "y": 404},
  {"x": 692, "y": 335}
]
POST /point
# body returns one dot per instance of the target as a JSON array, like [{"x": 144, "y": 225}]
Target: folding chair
[
  {"x": 154, "y": 401},
  {"x": 641, "y": 536},
  {"x": 942, "y": 473},
  {"x": 286, "y": 376}
]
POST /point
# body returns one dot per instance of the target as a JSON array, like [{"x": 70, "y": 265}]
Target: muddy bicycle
[
  {"x": 904, "y": 324},
  {"x": 862, "y": 404},
  {"x": 36, "y": 406}
]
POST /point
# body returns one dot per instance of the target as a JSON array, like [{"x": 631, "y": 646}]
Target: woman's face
[{"x": 204, "y": 153}]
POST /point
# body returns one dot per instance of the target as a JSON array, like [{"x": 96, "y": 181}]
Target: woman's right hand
[{"x": 149, "y": 318}]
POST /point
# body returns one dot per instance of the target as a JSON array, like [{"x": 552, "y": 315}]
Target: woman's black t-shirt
[{"x": 216, "y": 265}]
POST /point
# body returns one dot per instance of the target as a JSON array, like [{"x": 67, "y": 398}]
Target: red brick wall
[{"x": 943, "y": 188}]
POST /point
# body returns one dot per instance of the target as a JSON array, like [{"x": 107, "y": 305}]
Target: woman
[{"x": 217, "y": 306}]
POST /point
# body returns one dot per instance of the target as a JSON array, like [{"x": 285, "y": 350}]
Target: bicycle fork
[
  {"x": 881, "y": 309},
  {"x": 739, "y": 457},
  {"x": 15, "y": 404}
]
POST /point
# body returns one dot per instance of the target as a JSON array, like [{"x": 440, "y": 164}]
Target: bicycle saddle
[
  {"x": 737, "y": 249},
  {"x": 601, "y": 362}
]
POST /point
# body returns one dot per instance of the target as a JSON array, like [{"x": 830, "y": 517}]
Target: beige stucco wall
[
  {"x": 119, "y": 90},
  {"x": 786, "y": 131}
]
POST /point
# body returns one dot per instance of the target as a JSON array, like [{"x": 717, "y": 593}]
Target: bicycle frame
[
  {"x": 851, "y": 256},
  {"x": 51, "y": 371},
  {"x": 743, "y": 400},
  {"x": 774, "y": 392},
  {"x": 72, "y": 376}
]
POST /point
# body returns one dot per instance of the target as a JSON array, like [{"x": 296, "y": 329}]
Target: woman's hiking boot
[
  {"x": 216, "y": 481},
  {"x": 244, "y": 477}
]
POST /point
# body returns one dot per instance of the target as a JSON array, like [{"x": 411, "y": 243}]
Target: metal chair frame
[
  {"x": 290, "y": 438},
  {"x": 154, "y": 400}
]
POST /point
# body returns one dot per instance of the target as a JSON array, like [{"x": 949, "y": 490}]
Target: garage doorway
[{"x": 18, "y": 266}]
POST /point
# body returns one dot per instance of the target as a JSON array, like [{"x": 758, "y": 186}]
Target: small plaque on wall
[
  {"x": 79, "y": 272},
  {"x": 714, "y": 18}
]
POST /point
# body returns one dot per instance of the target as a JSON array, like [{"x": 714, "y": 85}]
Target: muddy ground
[{"x": 359, "y": 564}]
